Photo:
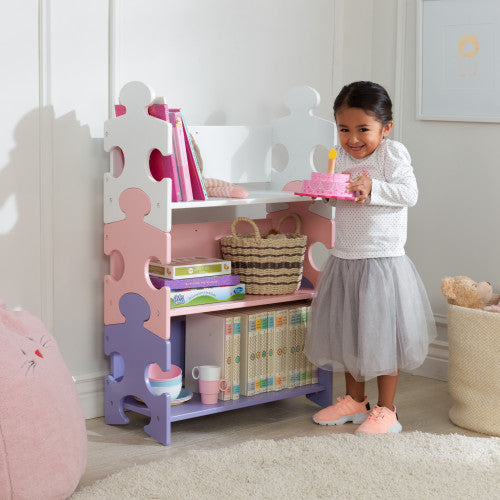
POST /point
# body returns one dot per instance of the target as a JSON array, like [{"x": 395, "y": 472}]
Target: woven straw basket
[
  {"x": 267, "y": 266},
  {"x": 474, "y": 368}
]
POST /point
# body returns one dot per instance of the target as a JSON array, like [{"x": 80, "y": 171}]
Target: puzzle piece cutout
[
  {"x": 132, "y": 349},
  {"x": 300, "y": 132},
  {"x": 137, "y": 242},
  {"x": 137, "y": 134}
]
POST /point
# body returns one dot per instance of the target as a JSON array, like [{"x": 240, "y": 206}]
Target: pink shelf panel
[{"x": 250, "y": 301}]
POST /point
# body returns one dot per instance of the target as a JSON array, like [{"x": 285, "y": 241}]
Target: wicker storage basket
[
  {"x": 474, "y": 368},
  {"x": 267, "y": 266}
]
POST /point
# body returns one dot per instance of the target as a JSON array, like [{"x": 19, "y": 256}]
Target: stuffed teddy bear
[
  {"x": 494, "y": 304},
  {"x": 493, "y": 308},
  {"x": 465, "y": 292}
]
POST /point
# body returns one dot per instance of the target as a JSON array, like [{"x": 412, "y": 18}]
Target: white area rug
[{"x": 406, "y": 466}]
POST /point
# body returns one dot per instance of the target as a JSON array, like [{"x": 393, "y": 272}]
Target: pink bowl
[{"x": 156, "y": 375}]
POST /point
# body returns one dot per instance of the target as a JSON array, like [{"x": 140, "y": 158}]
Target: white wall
[
  {"x": 54, "y": 100},
  {"x": 20, "y": 169},
  {"x": 226, "y": 61},
  {"x": 223, "y": 62}
]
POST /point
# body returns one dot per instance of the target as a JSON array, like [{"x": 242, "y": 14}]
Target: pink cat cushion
[{"x": 43, "y": 442}]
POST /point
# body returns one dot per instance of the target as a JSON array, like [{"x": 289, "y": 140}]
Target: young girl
[{"x": 371, "y": 313}]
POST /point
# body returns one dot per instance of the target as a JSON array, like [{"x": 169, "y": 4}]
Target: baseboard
[
  {"x": 91, "y": 391},
  {"x": 436, "y": 364}
]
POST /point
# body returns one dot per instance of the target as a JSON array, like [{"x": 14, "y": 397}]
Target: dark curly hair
[{"x": 368, "y": 96}]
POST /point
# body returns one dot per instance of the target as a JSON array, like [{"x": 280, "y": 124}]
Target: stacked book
[
  {"x": 197, "y": 280},
  {"x": 182, "y": 165},
  {"x": 259, "y": 349}
]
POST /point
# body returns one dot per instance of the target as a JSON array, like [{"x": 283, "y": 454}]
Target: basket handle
[
  {"x": 245, "y": 219},
  {"x": 297, "y": 222}
]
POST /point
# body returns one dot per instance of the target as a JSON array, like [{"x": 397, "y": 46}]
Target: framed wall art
[{"x": 458, "y": 60}]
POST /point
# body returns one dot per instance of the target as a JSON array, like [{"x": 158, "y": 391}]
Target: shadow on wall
[
  {"x": 53, "y": 178},
  {"x": 20, "y": 217}
]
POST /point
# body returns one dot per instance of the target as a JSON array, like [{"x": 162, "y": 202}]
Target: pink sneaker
[
  {"x": 380, "y": 421},
  {"x": 344, "y": 410}
]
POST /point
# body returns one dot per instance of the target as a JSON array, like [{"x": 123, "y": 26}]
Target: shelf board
[
  {"x": 194, "y": 408},
  {"x": 254, "y": 198},
  {"x": 249, "y": 301}
]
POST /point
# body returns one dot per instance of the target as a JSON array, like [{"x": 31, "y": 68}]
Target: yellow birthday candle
[{"x": 331, "y": 161}]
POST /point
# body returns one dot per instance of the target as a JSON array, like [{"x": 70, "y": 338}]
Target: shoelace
[
  {"x": 342, "y": 401},
  {"x": 376, "y": 414}
]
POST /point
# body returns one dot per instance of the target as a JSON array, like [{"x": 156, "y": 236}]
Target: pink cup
[{"x": 209, "y": 390}]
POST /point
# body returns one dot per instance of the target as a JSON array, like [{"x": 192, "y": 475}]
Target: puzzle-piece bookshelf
[{"x": 140, "y": 326}]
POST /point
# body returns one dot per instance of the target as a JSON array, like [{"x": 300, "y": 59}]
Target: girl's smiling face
[{"x": 360, "y": 133}]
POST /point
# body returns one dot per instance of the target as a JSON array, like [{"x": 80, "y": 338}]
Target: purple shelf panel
[{"x": 193, "y": 408}]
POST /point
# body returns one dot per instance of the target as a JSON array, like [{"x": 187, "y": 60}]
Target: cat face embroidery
[
  {"x": 33, "y": 353},
  {"x": 26, "y": 333}
]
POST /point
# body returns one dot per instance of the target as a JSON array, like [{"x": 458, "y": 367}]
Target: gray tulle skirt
[{"x": 370, "y": 317}]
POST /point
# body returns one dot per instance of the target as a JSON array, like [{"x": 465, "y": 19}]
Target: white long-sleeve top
[{"x": 376, "y": 228}]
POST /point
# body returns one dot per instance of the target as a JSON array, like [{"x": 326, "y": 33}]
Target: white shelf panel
[{"x": 254, "y": 198}]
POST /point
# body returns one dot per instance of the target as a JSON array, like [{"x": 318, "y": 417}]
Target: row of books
[
  {"x": 259, "y": 349},
  {"x": 197, "y": 280},
  {"x": 182, "y": 165}
]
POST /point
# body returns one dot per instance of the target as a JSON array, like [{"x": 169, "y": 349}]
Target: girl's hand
[{"x": 363, "y": 184}]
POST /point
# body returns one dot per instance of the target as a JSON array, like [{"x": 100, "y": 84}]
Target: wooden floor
[{"x": 422, "y": 404}]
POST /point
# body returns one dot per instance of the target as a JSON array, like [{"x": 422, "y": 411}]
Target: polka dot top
[{"x": 376, "y": 228}]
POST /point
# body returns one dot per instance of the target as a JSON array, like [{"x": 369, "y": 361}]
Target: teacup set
[
  {"x": 166, "y": 382},
  {"x": 209, "y": 382},
  {"x": 208, "y": 376}
]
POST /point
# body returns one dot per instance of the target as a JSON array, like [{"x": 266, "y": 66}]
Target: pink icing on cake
[{"x": 327, "y": 185}]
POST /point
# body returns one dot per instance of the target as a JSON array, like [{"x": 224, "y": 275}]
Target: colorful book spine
[
  {"x": 271, "y": 350},
  {"x": 302, "y": 342},
  {"x": 288, "y": 350},
  {"x": 227, "y": 369},
  {"x": 197, "y": 183},
  {"x": 190, "y": 267},
  {"x": 171, "y": 171},
  {"x": 309, "y": 365},
  {"x": 314, "y": 368},
  {"x": 236, "y": 356},
  {"x": 281, "y": 327},
  {"x": 181, "y": 154},
  {"x": 298, "y": 344},
  {"x": 292, "y": 343},
  {"x": 201, "y": 282},
  {"x": 198, "y": 296},
  {"x": 248, "y": 352},
  {"x": 253, "y": 362},
  {"x": 261, "y": 375}
]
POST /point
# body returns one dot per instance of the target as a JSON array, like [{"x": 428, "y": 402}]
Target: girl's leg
[
  {"x": 345, "y": 409},
  {"x": 387, "y": 390},
  {"x": 383, "y": 418},
  {"x": 354, "y": 388}
]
